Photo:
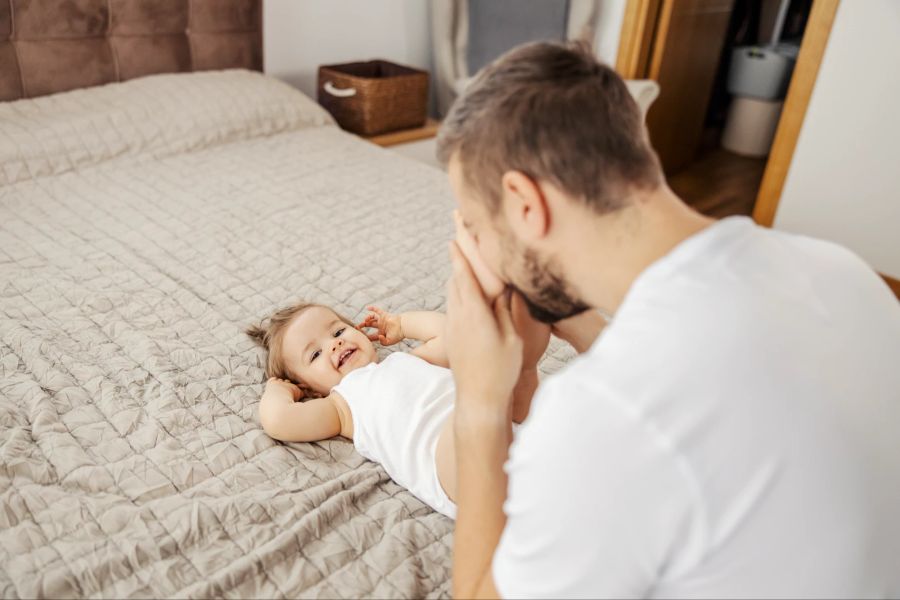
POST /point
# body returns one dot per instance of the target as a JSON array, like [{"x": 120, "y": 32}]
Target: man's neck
[{"x": 613, "y": 250}]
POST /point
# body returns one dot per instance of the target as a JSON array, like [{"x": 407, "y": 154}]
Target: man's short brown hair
[{"x": 553, "y": 112}]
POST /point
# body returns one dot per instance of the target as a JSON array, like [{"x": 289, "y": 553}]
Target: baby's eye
[
  {"x": 315, "y": 355},
  {"x": 339, "y": 331}
]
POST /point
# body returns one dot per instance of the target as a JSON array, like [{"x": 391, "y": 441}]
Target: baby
[{"x": 398, "y": 412}]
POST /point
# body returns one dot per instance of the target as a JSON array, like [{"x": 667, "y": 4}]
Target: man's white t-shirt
[{"x": 735, "y": 431}]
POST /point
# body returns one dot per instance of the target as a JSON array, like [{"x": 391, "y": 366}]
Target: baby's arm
[
  {"x": 425, "y": 326},
  {"x": 428, "y": 327},
  {"x": 285, "y": 419}
]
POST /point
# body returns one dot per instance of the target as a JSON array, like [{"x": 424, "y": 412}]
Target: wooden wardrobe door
[{"x": 687, "y": 47}]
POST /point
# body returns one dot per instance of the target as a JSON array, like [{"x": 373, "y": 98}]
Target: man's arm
[
  {"x": 482, "y": 445},
  {"x": 486, "y": 358},
  {"x": 523, "y": 393},
  {"x": 535, "y": 339}
]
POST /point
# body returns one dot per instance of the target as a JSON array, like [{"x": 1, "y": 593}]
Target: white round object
[
  {"x": 751, "y": 124},
  {"x": 762, "y": 73}
]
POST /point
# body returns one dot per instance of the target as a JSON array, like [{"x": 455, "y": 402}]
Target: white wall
[
  {"x": 300, "y": 35},
  {"x": 844, "y": 180}
]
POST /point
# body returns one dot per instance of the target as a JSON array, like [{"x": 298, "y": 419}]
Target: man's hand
[
  {"x": 580, "y": 330},
  {"x": 282, "y": 388},
  {"x": 491, "y": 285},
  {"x": 486, "y": 358},
  {"x": 484, "y": 350},
  {"x": 390, "y": 327}
]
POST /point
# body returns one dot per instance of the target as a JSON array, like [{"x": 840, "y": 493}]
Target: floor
[
  {"x": 720, "y": 183},
  {"x": 420, "y": 150}
]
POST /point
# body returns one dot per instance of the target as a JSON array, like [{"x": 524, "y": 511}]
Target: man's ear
[{"x": 524, "y": 205}]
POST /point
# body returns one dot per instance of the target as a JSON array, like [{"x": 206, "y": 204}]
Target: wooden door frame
[
  {"x": 634, "y": 59},
  {"x": 636, "y": 38}
]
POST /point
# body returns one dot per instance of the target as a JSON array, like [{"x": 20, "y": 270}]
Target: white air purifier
[{"x": 758, "y": 79}]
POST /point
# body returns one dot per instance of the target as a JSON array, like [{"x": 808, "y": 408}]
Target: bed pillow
[{"x": 151, "y": 116}]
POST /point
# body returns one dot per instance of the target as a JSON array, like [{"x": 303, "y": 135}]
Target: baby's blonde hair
[{"x": 269, "y": 334}]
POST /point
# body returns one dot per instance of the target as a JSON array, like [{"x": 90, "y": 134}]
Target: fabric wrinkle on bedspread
[{"x": 132, "y": 462}]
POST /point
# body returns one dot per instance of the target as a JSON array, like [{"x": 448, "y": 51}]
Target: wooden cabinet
[{"x": 686, "y": 49}]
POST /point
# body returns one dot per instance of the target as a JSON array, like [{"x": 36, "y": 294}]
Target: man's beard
[{"x": 550, "y": 298}]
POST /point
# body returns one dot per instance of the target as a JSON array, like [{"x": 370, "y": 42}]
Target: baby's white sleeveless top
[{"x": 399, "y": 407}]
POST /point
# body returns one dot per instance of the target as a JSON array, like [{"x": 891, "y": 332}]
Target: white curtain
[
  {"x": 582, "y": 24},
  {"x": 450, "y": 36}
]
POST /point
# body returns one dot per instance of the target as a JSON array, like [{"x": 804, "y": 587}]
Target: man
[{"x": 734, "y": 430}]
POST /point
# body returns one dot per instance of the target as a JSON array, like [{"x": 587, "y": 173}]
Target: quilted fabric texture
[
  {"x": 132, "y": 463},
  {"x": 149, "y": 117}
]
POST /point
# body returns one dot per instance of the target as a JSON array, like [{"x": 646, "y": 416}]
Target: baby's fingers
[{"x": 378, "y": 311}]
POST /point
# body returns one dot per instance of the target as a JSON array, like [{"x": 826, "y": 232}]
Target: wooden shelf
[{"x": 428, "y": 130}]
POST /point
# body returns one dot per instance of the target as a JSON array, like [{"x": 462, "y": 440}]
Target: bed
[{"x": 144, "y": 224}]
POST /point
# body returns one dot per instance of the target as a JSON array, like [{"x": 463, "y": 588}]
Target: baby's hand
[
  {"x": 388, "y": 325},
  {"x": 283, "y": 385}
]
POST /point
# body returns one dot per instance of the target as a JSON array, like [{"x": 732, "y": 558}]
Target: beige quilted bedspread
[{"x": 142, "y": 226}]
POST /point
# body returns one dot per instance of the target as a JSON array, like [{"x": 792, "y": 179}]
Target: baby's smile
[
  {"x": 345, "y": 356},
  {"x": 323, "y": 347}
]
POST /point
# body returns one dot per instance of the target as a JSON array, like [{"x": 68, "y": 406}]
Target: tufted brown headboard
[{"x": 49, "y": 46}]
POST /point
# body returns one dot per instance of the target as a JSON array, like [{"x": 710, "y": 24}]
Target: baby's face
[{"x": 320, "y": 349}]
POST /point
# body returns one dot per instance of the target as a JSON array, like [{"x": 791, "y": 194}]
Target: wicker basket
[{"x": 374, "y": 97}]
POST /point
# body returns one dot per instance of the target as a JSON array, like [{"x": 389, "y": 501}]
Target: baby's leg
[
  {"x": 445, "y": 455},
  {"x": 445, "y": 459}
]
